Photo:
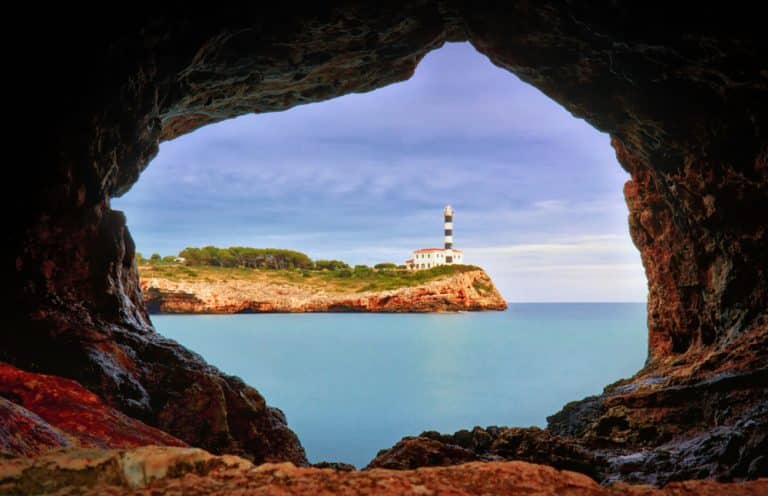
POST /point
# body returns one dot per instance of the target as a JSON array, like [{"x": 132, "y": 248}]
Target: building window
[{"x": 449, "y": 259}]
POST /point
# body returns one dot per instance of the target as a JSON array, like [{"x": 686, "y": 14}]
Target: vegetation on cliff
[
  {"x": 279, "y": 265},
  {"x": 237, "y": 256},
  {"x": 361, "y": 278}
]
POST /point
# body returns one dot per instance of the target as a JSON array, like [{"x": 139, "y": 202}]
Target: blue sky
[{"x": 364, "y": 177}]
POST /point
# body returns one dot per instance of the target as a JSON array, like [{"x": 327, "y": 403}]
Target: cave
[{"x": 684, "y": 96}]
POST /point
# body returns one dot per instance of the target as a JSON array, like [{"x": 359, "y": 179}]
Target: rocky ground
[
  {"x": 473, "y": 290},
  {"x": 189, "y": 471}
]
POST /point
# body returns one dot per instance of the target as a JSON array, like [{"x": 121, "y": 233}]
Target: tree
[
  {"x": 385, "y": 266},
  {"x": 330, "y": 265},
  {"x": 192, "y": 256},
  {"x": 243, "y": 256},
  {"x": 155, "y": 257},
  {"x": 211, "y": 255}
]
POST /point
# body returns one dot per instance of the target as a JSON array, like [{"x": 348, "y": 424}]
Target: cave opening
[
  {"x": 683, "y": 101},
  {"x": 363, "y": 178}
]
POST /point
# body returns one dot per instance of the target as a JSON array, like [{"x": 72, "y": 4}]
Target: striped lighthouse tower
[{"x": 448, "y": 226}]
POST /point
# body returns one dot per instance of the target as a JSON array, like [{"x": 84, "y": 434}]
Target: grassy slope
[{"x": 341, "y": 281}]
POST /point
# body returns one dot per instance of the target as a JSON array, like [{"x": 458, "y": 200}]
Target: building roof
[{"x": 410, "y": 260}]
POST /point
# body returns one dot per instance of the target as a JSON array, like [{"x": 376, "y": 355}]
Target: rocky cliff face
[
  {"x": 464, "y": 291},
  {"x": 683, "y": 94}
]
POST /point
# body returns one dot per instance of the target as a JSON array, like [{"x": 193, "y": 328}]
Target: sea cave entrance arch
[
  {"x": 687, "y": 120},
  {"x": 315, "y": 172}
]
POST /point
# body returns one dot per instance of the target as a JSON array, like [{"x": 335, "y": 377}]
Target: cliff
[{"x": 471, "y": 290}]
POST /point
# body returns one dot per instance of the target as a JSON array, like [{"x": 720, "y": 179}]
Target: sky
[{"x": 364, "y": 177}]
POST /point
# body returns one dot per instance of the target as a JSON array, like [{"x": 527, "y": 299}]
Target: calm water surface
[{"x": 351, "y": 384}]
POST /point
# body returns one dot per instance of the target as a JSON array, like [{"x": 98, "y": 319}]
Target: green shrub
[
  {"x": 330, "y": 265},
  {"x": 343, "y": 273},
  {"x": 386, "y": 266},
  {"x": 241, "y": 256},
  {"x": 481, "y": 287}
]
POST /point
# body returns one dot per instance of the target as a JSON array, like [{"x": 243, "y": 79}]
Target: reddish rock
[
  {"x": 49, "y": 412},
  {"x": 22, "y": 433},
  {"x": 466, "y": 291},
  {"x": 185, "y": 471},
  {"x": 492, "y": 443},
  {"x": 415, "y": 452}
]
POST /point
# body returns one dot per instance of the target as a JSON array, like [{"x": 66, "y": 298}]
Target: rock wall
[
  {"x": 684, "y": 95},
  {"x": 687, "y": 109},
  {"x": 466, "y": 291}
]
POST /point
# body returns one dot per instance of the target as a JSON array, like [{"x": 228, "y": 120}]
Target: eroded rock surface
[
  {"x": 170, "y": 471},
  {"x": 22, "y": 433},
  {"x": 466, "y": 291},
  {"x": 533, "y": 445}
]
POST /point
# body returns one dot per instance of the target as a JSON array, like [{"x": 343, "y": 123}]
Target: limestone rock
[
  {"x": 187, "y": 471},
  {"x": 466, "y": 291}
]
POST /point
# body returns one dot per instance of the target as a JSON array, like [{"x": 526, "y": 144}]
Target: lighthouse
[
  {"x": 448, "y": 226},
  {"x": 427, "y": 258}
]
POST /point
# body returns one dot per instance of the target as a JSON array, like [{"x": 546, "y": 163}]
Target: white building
[{"x": 426, "y": 258}]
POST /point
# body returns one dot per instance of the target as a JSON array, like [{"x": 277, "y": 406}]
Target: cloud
[{"x": 594, "y": 244}]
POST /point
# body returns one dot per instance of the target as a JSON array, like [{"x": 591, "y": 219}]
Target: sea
[{"x": 351, "y": 384}]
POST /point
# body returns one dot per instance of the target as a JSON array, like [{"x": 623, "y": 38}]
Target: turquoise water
[{"x": 351, "y": 384}]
